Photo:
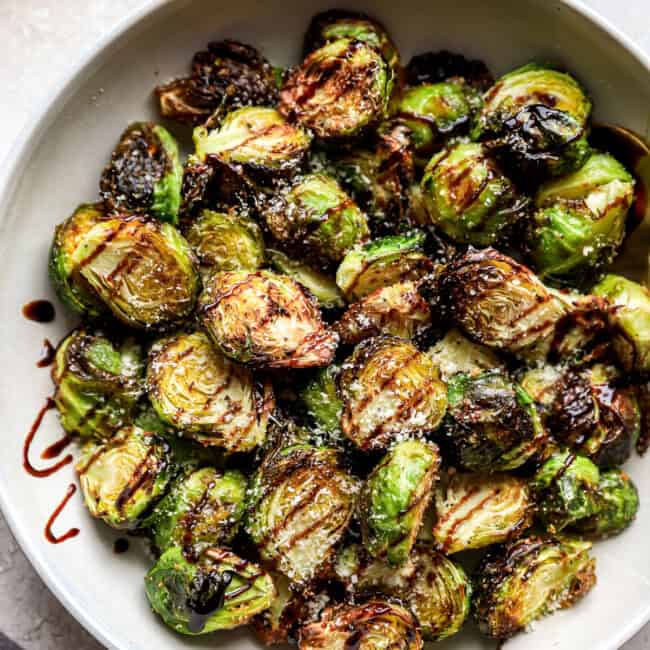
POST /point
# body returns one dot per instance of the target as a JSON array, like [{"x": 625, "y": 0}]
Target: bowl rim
[{"x": 15, "y": 161}]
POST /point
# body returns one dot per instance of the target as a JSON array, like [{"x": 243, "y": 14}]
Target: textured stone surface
[{"x": 39, "y": 42}]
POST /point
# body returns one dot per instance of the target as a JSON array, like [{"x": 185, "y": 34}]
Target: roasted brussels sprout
[
  {"x": 629, "y": 317},
  {"x": 492, "y": 424},
  {"x": 338, "y": 90},
  {"x": 202, "y": 509},
  {"x": 476, "y": 510},
  {"x": 220, "y": 591},
  {"x": 316, "y": 215},
  {"x": 580, "y": 220},
  {"x": 538, "y": 118},
  {"x": 194, "y": 388},
  {"x": 394, "y": 498},
  {"x": 300, "y": 504},
  {"x": 467, "y": 195},
  {"x": 144, "y": 174},
  {"x": 527, "y": 579},
  {"x": 122, "y": 478},
  {"x": 377, "y": 624},
  {"x": 389, "y": 389},
  {"x": 321, "y": 400},
  {"x": 382, "y": 262},
  {"x": 265, "y": 319},
  {"x": 98, "y": 382},
  {"x": 225, "y": 76},
  {"x": 226, "y": 241}
]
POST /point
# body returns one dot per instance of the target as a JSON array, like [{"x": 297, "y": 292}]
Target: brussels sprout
[
  {"x": 338, "y": 90},
  {"x": 538, "y": 117},
  {"x": 382, "y": 262},
  {"x": 394, "y": 498},
  {"x": 265, "y": 319},
  {"x": 475, "y": 510},
  {"x": 122, "y": 478},
  {"x": 321, "y": 400},
  {"x": 377, "y": 624},
  {"x": 580, "y": 220},
  {"x": 226, "y": 242},
  {"x": 398, "y": 310},
  {"x": 98, "y": 382},
  {"x": 320, "y": 285},
  {"x": 468, "y": 197},
  {"x": 300, "y": 504},
  {"x": 524, "y": 580},
  {"x": 315, "y": 214},
  {"x": 144, "y": 174},
  {"x": 389, "y": 388},
  {"x": 493, "y": 424},
  {"x": 629, "y": 317},
  {"x": 433, "y": 67},
  {"x": 226, "y": 76},
  {"x": 205, "y": 395},
  {"x": 566, "y": 485},
  {"x": 218, "y": 592},
  {"x": 202, "y": 509}
]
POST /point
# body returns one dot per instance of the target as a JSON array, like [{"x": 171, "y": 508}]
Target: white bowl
[{"x": 56, "y": 166}]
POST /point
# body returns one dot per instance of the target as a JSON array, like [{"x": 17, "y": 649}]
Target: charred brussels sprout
[
  {"x": 377, "y": 624},
  {"x": 144, "y": 174},
  {"x": 493, "y": 424},
  {"x": 433, "y": 67},
  {"x": 468, "y": 197},
  {"x": 321, "y": 400},
  {"x": 629, "y": 317},
  {"x": 475, "y": 510},
  {"x": 122, "y": 478},
  {"x": 98, "y": 382},
  {"x": 382, "y": 262},
  {"x": 202, "y": 509},
  {"x": 300, "y": 505},
  {"x": 395, "y": 497},
  {"x": 580, "y": 220},
  {"x": 538, "y": 118},
  {"x": 338, "y": 90},
  {"x": 389, "y": 388},
  {"x": 218, "y": 592},
  {"x": 206, "y": 396},
  {"x": 265, "y": 319},
  {"x": 225, "y": 76},
  {"x": 527, "y": 579}
]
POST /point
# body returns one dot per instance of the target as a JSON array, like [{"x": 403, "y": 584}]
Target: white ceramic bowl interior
[{"x": 57, "y": 165}]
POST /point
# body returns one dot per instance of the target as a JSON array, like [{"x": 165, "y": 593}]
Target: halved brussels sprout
[
  {"x": 394, "y": 498},
  {"x": 580, "y": 220},
  {"x": 389, "y": 388},
  {"x": 220, "y": 591},
  {"x": 144, "y": 174},
  {"x": 300, "y": 504},
  {"x": 226, "y": 242},
  {"x": 629, "y": 317},
  {"x": 315, "y": 214},
  {"x": 98, "y": 381},
  {"x": 122, "y": 478},
  {"x": 382, "y": 262},
  {"x": 321, "y": 286},
  {"x": 433, "y": 67},
  {"x": 538, "y": 117},
  {"x": 377, "y": 624},
  {"x": 467, "y": 195},
  {"x": 265, "y": 319},
  {"x": 476, "y": 510},
  {"x": 527, "y": 579},
  {"x": 493, "y": 424},
  {"x": 197, "y": 390},
  {"x": 321, "y": 399},
  {"x": 225, "y": 76},
  {"x": 202, "y": 509},
  {"x": 338, "y": 90},
  {"x": 398, "y": 310}
]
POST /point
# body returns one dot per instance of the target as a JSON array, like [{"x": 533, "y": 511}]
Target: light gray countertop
[{"x": 40, "y": 41}]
